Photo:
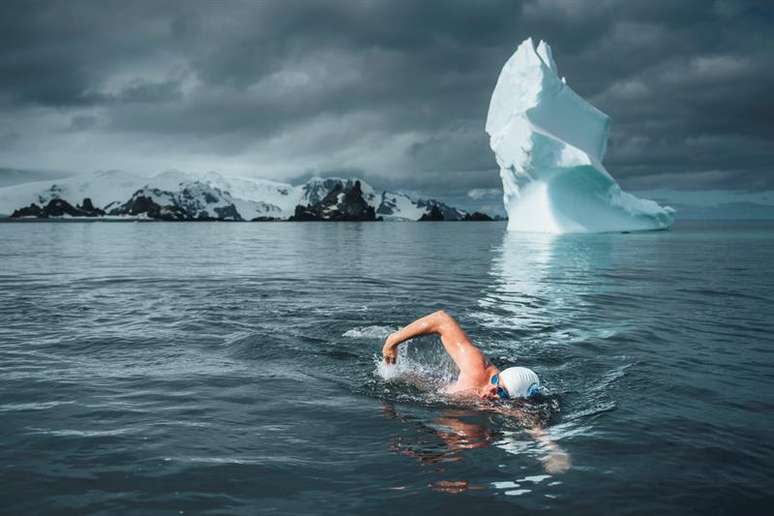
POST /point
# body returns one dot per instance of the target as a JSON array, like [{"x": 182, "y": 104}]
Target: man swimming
[{"x": 478, "y": 376}]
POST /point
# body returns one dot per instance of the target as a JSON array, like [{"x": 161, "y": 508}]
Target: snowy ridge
[
  {"x": 549, "y": 143},
  {"x": 398, "y": 206},
  {"x": 195, "y": 200},
  {"x": 207, "y": 195},
  {"x": 314, "y": 190}
]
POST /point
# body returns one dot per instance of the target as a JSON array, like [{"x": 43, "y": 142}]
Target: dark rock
[
  {"x": 140, "y": 204},
  {"x": 86, "y": 204},
  {"x": 446, "y": 211},
  {"x": 33, "y": 210},
  {"x": 478, "y": 217},
  {"x": 354, "y": 207},
  {"x": 266, "y": 219},
  {"x": 340, "y": 204},
  {"x": 184, "y": 206},
  {"x": 305, "y": 214},
  {"x": 315, "y": 190},
  {"x": 228, "y": 213},
  {"x": 88, "y": 208},
  {"x": 434, "y": 214},
  {"x": 57, "y": 208}
]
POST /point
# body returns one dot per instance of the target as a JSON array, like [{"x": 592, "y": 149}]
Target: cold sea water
[{"x": 216, "y": 368}]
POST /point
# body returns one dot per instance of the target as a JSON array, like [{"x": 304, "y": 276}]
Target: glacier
[{"x": 549, "y": 144}]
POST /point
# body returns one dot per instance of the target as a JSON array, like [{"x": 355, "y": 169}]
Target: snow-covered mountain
[
  {"x": 346, "y": 201},
  {"x": 185, "y": 196},
  {"x": 197, "y": 201},
  {"x": 399, "y": 206}
]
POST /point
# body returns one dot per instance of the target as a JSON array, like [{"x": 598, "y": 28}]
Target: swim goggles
[{"x": 502, "y": 393}]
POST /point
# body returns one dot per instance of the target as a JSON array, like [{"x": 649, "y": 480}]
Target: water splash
[{"x": 370, "y": 332}]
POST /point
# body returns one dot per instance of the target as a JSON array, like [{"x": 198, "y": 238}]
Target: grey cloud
[
  {"x": 140, "y": 90},
  {"x": 82, "y": 122},
  {"x": 482, "y": 193},
  {"x": 686, "y": 83},
  {"x": 8, "y": 139}
]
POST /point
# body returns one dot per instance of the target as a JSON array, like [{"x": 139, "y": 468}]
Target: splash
[
  {"x": 420, "y": 374},
  {"x": 369, "y": 332}
]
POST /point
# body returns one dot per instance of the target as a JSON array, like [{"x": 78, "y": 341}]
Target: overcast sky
[{"x": 394, "y": 91}]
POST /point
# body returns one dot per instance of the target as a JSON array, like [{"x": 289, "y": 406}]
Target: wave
[{"x": 369, "y": 332}]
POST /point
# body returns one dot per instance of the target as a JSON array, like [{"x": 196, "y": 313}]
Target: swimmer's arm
[
  {"x": 555, "y": 460},
  {"x": 465, "y": 354}
]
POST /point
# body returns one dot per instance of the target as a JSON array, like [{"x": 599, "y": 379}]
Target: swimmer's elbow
[
  {"x": 441, "y": 317},
  {"x": 445, "y": 325}
]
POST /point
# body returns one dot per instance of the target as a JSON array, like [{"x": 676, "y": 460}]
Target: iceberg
[{"x": 549, "y": 144}]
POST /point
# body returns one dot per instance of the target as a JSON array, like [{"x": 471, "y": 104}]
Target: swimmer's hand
[
  {"x": 390, "y": 350},
  {"x": 556, "y": 462}
]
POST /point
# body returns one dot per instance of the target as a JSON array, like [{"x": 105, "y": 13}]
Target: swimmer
[{"x": 479, "y": 378}]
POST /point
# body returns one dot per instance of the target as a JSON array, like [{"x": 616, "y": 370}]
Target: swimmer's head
[{"x": 518, "y": 382}]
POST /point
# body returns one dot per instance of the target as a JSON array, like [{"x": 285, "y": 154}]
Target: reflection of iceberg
[
  {"x": 549, "y": 144},
  {"x": 539, "y": 281},
  {"x": 518, "y": 292},
  {"x": 540, "y": 285}
]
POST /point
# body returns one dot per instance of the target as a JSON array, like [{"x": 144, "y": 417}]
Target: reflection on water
[
  {"x": 451, "y": 435},
  {"x": 539, "y": 279},
  {"x": 536, "y": 309},
  {"x": 443, "y": 440},
  {"x": 654, "y": 347}
]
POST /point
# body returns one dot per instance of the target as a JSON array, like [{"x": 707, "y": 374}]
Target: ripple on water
[{"x": 247, "y": 355}]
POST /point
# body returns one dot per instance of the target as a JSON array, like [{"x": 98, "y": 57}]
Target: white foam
[
  {"x": 534, "y": 478},
  {"x": 431, "y": 372},
  {"x": 506, "y": 484},
  {"x": 518, "y": 492},
  {"x": 369, "y": 332}
]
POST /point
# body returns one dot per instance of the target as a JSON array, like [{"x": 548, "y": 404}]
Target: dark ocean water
[{"x": 216, "y": 368}]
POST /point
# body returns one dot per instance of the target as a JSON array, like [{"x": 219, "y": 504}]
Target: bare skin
[{"x": 476, "y": 372}]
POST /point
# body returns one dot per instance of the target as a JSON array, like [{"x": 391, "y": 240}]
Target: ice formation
[{"x": 549, "y": 143}]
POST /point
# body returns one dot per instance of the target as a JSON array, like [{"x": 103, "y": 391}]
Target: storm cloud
[{"x": 396, "y": 92}]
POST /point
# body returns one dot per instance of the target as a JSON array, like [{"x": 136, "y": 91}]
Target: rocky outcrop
[
  {"x": 340, "y": 204},
  {"x": 33, "y": 210},
  {"x": 401, "y": 206},
  {"x": 227, "y": 213},
  {"x": 59, "y": 208},
  {"x": 447, "y": 211},
  {"x": 477, "y": 216},
  {"x": 434, "y": 215},
  {"x": 194, "y": 202},
  {"x": 178, "y": 196},
  {"x": 141, "y": 203}
]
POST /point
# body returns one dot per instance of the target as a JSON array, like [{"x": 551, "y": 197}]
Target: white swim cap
[{"x": 520, "y": 382}]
